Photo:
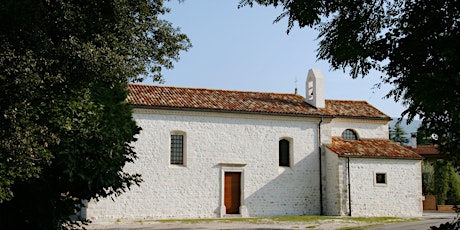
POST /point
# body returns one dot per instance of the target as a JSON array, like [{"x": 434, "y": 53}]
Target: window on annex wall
[
  {"x": 349, "y": 134},
  {"x": 177, "y": 148},
  {"x": 380, "y": 178},
  {"x": 284, "y": 152}
]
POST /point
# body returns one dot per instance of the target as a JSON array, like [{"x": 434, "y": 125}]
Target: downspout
[
  {"x": 349, "y": 187},
  {"x": 320, "y": 168}
]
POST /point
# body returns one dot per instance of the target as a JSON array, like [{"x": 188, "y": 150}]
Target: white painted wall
[
  {"x": 332, "y": 184},
  {"x": 315, "y": 88},
  {"x": 219, "y": 142},
  {"x": 195, "y": 190},
  {"x": 364, "y": 128},
  {"x": 401, "y": 196}
]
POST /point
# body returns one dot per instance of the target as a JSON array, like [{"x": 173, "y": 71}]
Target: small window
[
  {"x": 349, "y": 134},
  {"x": 284, "y": 150},
  {"x": 177, "y": 149},
  {"x": 380, "y": 178}
]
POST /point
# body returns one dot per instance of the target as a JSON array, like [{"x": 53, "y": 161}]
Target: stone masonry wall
[
  {"x": 364, "y": 128},
  {"x": 332, "y": 184},
  {"x": 213, "y": 140},
  {"x": 400, "y": 196}
]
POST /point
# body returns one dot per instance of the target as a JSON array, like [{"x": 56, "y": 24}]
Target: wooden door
[{"x": 232, "y": 192}]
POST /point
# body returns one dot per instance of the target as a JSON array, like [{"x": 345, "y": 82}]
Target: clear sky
[{"x": 241, "y": 49}]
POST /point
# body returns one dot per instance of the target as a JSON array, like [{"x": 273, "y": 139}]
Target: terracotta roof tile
[
  {"x": 426, "y": 150},
  {"x": 242, "y": 101},
  {"x": 348, "y": 108},
  {"x": 371, "y": 148}
]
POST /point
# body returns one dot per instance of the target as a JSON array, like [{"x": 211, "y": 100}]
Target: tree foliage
[
  {"x": 446, "y": 184},
  {"x": 65, "y": 127},
  {"x": 414, "y": 44},
  {"x": 424, "y": 136},
  {"x": 398, "y": 134},
  {"x": 439, "y": 178},
  {"x": 428, "y": 181}
]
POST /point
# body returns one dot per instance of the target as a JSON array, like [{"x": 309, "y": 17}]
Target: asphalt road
[{"x": 432, "y": 219}]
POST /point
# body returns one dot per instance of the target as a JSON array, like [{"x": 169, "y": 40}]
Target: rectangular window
[
  {"x": 177, "y": 149},
  {"x": 380, "y": 178}
]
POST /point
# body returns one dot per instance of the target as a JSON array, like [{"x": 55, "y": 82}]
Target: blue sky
[{"x": 241, "y": 49}]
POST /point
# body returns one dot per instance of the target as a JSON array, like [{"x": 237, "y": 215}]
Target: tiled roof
[
  {"x": 348, "y": 108},
  {"x": 426, "y": 150},
  {"x": 247, "y": 102},
  {"x": 371, "y": 148}
]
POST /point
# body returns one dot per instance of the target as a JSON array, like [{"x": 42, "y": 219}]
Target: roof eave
[
  {"x": 231, "y": 111},
  {"x": 381, "y": 157}
]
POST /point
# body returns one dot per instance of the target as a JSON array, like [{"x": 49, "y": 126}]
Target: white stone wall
[
  {"x": 401, "y": 196},
  {"x": 364, "y": 128},
  {"x": 195, "y": 190},
  {"x": 332, "y": 185}
]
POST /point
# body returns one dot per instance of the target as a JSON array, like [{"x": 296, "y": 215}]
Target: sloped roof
[
  {"x": 247, "y": 102},
  {"x": 355, "y": 109},
  {"x": 426, "y": 150},
  {"x": 371, "y": 148}
]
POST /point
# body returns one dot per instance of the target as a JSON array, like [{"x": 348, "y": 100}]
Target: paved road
[
  {"x": 419, "y": 225},
  {"x": 433, "y": 219}
]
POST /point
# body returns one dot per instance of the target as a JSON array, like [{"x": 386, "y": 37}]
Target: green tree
[
  {"x": 428, "y": 181},
  {"x": 446, "y": 184},
  {"x": 65, "y": 129},
  {"x": 398, "y": 134},
  {"x": 424, "y": 136},
  {"x": 414, "y": 43}
]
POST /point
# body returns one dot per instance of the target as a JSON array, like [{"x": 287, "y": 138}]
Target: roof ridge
[
  {"x": 212, "y": 89},
  {"x": 357, "y": 100}
]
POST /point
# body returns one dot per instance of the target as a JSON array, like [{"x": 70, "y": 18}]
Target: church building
[{"x": 206, "y": 153}]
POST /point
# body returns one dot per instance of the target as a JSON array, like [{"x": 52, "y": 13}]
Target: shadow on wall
[{"x": 291, "y": 191}]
